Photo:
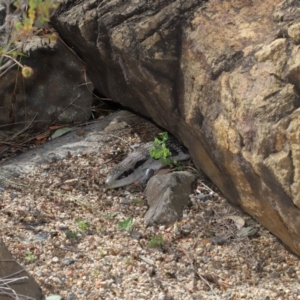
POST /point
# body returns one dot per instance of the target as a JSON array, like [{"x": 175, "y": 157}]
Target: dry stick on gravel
[
  {"x": 6, "y": 290},
  {"x": 109, "y": 134},
  {"x": 200, "y": 276},
  {"x": 12, "y": 274},
  {"x": 10, "y": 141},
  {"x": 24, "y": 129},
  {"x": 207, "y": 188}
]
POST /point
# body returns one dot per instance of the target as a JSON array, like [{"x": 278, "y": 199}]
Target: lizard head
[{"x": 118, "y": 178}]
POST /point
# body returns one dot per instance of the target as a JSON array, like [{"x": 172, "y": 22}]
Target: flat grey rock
[{"x": 94, "y": 138}]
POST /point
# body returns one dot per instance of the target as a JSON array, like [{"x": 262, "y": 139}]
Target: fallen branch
[{"x": 6, "y": 290}]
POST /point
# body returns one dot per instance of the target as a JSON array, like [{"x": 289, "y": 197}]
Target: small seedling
[
  {"x": 161, "y": 151},
  {"x": 83, "y": 225},
  {"x": 110, "y": 216},
  {"x": 156, "y": 241},
  {"x": 137, "y": 201},
  {"x": 179, "y": 168},
  {"x": 125, "y": 225},
  {"x": 71, "y": 234},
  {"x": 102, "y": 252},
  {"x": 30, "y": 256},
  {"x": 128, "y": 261}
]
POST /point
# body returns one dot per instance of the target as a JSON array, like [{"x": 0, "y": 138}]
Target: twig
[
  {"x": 8, "y": 281},
  {"x": 206, "y": 282},
  {"x": 186, "y": 167},
  {"x": 6, "y": 260},
  {"x": 201, "y": 277},
  {"x": 3, "y": 73},
  {"x": 14, "y": 274},
  {"x": 69, "y": 48},
  {"x": 5, "y": 289},
  {"x": 69, "y": 249},
  {"x": 6, "y": 65},
  {"x": 207, "y": 188},
  {"x": 109, "y": 134},
  {"x": 10, "y": 57},
  {"x": 24, "y": 129}
]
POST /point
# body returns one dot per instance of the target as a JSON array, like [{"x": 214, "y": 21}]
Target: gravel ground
[{"x": 82, "y": 241}]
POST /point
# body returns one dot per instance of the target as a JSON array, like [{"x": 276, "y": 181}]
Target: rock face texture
[
  {"x": 58, "y": 91},
  {"x": 222, "y": 76}
]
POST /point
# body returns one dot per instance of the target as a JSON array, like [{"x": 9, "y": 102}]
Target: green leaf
[
  {"x": 164, "y": 136},
  {"x": 160, "y": 149},
  {"x": 157, "y": 142},
  {"x": 82, "y": 224},
  {"x": 61, "y": 131},
  {"x": 156, "y": 241},
  {"x": 137, "y": 201},
  {"x": 125, "y": 225},
  {"x": 30, "y": 256},
  {"x": 71, "y": 234},
  {"x": 16, "y": 53}
]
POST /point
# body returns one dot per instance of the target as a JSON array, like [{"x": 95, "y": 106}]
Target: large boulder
[
  {"x": 222, "y": 76},
  {"x": 58, "y": 91}
]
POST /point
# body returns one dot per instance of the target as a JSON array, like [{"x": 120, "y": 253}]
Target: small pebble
[
  {"x": 219, "y": 240},
  {"x": 68, "y": 261},
  {"x": 203, "y": 197},
  {"x": 71, "y": 296},
  {"x": 135, "y": 234},
  {"x": 124, "y": 201},
  {"x": 55, "y": 259}
]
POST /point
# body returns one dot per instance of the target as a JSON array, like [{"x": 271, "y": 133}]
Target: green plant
[
  {"x": 23, "y": 19},
  {"x": 156, "y": 241},
  {"x": 36, "y": 15},
  {"x": 102, "y": 252},
  {"x": 30, "y": 256},
  {"x": 179, "y": 168},
  {"x": 110, "y": 215},
  {"x": 137, "y": 201},
  {"x": 125, "y": 225},
  {"x": 71, "y": 234},
  {"x": 96, "y": 272},
  {"x": 83, "y": 225},
  {"x": 161, "y": 151},
  {"x": 128, "y": 261}
]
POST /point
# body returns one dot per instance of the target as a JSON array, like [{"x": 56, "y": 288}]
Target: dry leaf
[{"x": 43, "y": 135}]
